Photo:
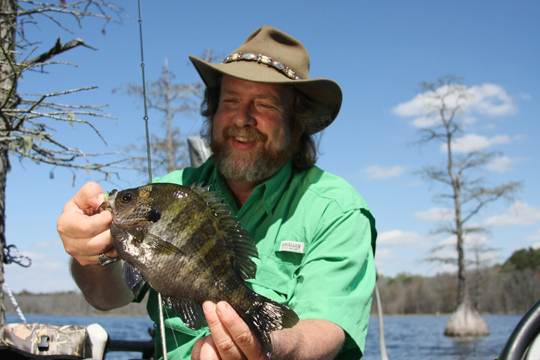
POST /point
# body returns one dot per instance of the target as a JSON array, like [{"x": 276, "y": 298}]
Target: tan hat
[{"x": 270, "y": 56}]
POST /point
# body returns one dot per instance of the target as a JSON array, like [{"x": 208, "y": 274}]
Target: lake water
[
  {"x": 421, "y": 337},
  {"x": 407, "y": 337}
]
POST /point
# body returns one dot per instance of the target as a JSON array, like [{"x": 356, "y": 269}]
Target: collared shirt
[{"x": 316, "y": 241}]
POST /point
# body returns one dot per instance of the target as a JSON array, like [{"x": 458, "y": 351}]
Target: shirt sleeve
[{"x": 336, "y": 279}]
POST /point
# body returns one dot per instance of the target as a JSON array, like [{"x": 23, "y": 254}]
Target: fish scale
[{"x": 185, "y": 244}]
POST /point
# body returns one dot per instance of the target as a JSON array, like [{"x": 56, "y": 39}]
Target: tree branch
[{"x": 57, "y": 49}]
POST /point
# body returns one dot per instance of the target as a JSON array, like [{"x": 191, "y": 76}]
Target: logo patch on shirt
[{"x": 292, "y": 246}]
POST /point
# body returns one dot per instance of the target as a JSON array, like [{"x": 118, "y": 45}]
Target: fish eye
[{"x": 127, "y": 197}]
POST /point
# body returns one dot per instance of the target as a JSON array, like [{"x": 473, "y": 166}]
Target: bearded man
[{"x": 314, "y": 234}]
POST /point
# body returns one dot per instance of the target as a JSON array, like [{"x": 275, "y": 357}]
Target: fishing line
[
  {"x": 144, "y": 99},
  {"x": 174, "y": 337},
  {"x": 148, "y": 152}
]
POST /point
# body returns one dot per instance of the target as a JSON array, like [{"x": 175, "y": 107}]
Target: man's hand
[
  {"x": 85, "y": 234},
  {"x": 83, "y": 230},
  {"x": 231, "y": 338}
]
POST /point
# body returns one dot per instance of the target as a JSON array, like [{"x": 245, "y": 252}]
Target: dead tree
[
  {"x": 444, "y": 102},
  {"x": 26, "y": 119},
  {"x": 168, "y": 98}
]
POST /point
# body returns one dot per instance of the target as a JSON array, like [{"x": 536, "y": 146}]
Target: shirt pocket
[{"x": 277, "y": 269}]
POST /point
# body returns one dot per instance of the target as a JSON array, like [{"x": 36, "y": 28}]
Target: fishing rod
[{"x": 148, "y": 155}]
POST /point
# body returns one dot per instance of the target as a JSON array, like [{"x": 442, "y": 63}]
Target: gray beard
[
  {"x": 251, "y": 167},
  {"x": 255, "y": 167}
]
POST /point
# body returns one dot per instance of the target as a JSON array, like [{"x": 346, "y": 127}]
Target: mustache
[{"x": 249, "y": 133}]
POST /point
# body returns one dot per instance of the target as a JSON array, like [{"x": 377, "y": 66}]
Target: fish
[{"x": 185, "y": 244}]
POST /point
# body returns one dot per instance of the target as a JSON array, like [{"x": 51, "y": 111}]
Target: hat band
[{"x": 262, "y": 59}]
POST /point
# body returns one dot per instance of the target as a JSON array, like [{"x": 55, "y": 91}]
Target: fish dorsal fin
[
  {"x": 189, "y": 311},
  {"x": 240, "y": 240}
]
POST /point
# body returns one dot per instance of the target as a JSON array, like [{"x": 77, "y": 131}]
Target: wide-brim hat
[{"x": 270, "y": 56}]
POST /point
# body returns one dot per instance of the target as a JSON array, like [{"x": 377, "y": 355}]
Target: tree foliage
[{"x": 523, "y": 259}]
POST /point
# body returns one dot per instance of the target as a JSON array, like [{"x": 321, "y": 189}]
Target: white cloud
[
  {"x": 377, "y": 172},
  {"x": 469, "y": 240},
  {"x": 48, "y": 244},
  {"x": 491, "y": 99},
  {"x": 385, "y": 255},
  {"x": 424, "y": 104},
  {"x": 435, "y": 214},
  {"x": 425, "y": 121},
  {"x": 534, "y": 237},
  {"x": 47, "y": 274},
  {"x": 35, "y": 256},
  {"x": 399, "y": 237},
  {"x": 502, "y": 164},
  {"x": 449, "y": 241},
  {"x": 474, "y": 142},
  {"x": 519, "y": 213},
  {"x": 469, "y": 120},
  {"x": 429, "y": 120},
  {"x": 486, "y": 99},
  {"x": 447, "y": 248}
]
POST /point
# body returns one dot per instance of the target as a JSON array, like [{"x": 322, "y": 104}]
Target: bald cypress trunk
[{"x": 8, "y": 84}]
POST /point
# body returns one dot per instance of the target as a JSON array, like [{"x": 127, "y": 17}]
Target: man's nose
[{"x": 244, "y": 116}]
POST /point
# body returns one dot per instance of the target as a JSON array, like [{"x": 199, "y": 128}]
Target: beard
[{"x": 250, "y": 166}]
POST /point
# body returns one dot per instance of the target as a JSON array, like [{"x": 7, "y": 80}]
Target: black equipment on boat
[{"x": 523, "y": 335}]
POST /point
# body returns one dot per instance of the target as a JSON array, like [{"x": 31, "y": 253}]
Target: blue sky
[{"x": 377, "y": 51}]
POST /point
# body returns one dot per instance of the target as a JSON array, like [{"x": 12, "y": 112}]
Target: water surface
[{"x": 407, "y": 337}]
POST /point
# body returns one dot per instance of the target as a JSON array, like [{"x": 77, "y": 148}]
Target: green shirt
[{"x": 316, "y": 241}]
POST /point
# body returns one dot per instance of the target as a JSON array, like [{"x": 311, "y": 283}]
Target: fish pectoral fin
[
  {"x": 133, "y": 278},
  {"x": 161, "y": 246},
  {"x": 189, "y": 311}
]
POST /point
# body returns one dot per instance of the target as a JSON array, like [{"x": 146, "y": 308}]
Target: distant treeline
[
  {"x": 491, "y": 291},
  {"x": 66, "y": 303},
  {"x": 511, "y": 288}
]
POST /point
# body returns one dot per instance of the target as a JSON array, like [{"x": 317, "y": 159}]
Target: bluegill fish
[{"x": 185, "y": 244}]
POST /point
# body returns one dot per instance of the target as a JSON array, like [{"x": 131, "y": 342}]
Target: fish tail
[{"x": 265, "y": 316}]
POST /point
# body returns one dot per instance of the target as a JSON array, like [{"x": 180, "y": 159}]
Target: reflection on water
[
  {"x": 421, "y": 337},
  {"x": 407, "y": 337}
]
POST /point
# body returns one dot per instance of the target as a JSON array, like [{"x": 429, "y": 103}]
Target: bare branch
[
  {"x": 57, "y": 49},
  {"x": 446, "y": 100}
]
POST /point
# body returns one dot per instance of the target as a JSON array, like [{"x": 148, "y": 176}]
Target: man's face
[{"x": 251, "y": 138}]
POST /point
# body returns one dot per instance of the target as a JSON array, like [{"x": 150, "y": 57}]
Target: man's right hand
[
  {"x": 83, "y": 229},
  {"x": 85, "y": 232}
]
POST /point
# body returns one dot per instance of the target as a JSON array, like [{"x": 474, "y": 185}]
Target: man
[{"x": 314, "y": 233}]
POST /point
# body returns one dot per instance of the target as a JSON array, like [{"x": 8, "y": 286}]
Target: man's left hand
[{"x": 231, "y": 338}]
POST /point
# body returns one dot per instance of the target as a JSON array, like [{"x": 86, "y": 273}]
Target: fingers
[
  {"x": 230, "y": 334},
  {"x": 88, "y": 198},
  {"x": 205, "y": 349},
  {"x": 222, "y": 340},
  {"x": 83, "y": 230},
  {"x": 239, "y": 331}
]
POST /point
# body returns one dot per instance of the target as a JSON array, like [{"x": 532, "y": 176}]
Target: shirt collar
[
  {"x": 269, "y": 191},
  {"x": 275, "y": 187}
]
